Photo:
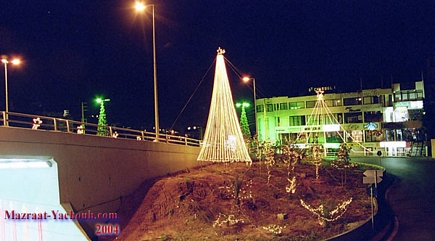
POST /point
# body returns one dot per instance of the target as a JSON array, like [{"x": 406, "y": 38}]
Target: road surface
[{"x": 412, "y": 196}]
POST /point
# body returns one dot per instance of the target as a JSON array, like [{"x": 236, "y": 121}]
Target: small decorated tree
[
  {"x": 291, "y": 157},
  {"x": 317, "y": 151},
  {"x": 102, "y": 129},
  {"x": 342, "y": 162},
  {"x": 343, "y": 154},
  {"x": 325, "y": 214},
  {"x": 244, "y": 124}
]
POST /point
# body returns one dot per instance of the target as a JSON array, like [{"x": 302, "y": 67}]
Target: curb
[{"x": 390, "y": 230}]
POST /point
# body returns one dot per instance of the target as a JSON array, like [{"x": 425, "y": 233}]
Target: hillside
[{"x": 201, "y": 204}]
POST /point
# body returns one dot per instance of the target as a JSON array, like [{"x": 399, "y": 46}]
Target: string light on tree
[
  {"x": 316, "y": 151},
  {"x": 102, "y": 129},
  {"x": 322, "y": 121},
  {"x": 267, "y": 151},
  {"x": 244, "y": 124},
  {"x": 327, "y": 216},
  {"x": 80, "y": 129},
  {"x": 342, "y": 162},
  {"x": 227, "y": 220},
  {"x": 291, "y": 157},
  {"x": 292, "y": 185},
  {"x": 223, "y": 139},
  {"x": 274, "y": 228},
  {"x": 36, "y": 123}
]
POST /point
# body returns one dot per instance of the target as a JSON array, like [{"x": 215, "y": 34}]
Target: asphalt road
[{"x": 411, "y": 197}]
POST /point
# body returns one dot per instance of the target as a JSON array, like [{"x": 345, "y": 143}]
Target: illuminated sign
[
  {"x": 371, "y": 126},
  {"x": 331, "y": 128},
  {"x": 410, "y": 104},
  {"x": 323, "y": 88},
  {"x": 393, "y": 144},
  {"x": 401, "y": 114}
]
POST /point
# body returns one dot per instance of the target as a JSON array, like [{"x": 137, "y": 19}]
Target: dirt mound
[{"x": 239, "y": 202}]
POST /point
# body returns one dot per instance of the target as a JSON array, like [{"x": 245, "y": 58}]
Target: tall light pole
[
  {"x": 141, "y": 7},
  {"x": 6, "y": 62},
  {"x": 247, "y": 79}
]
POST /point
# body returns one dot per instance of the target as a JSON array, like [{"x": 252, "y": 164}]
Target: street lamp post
[
  {"x": 141, "y": 7},
  {"x": 6, "y": 62},
  {"x": 246, "y": 79}
]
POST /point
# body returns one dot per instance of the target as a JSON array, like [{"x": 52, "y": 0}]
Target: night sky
[{"x": 76, "y": 50}]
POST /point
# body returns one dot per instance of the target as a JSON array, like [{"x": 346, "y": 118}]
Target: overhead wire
[
  {"x": 191, "y": 96},
  {"x": 238, "y": 73}
]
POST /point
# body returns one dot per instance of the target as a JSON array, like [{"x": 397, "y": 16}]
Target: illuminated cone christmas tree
[{"x": 223, "y": 139}]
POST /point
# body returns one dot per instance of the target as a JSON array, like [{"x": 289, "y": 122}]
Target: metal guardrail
[{"x": 37, "y": 122}]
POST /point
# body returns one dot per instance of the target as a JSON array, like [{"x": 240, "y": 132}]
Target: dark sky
[{"x": 75, "y": 50}]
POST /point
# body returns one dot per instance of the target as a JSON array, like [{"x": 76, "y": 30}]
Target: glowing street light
[
  {"x": 243, "y": 105},
  {"x": 6, "y": 62},
  {"x": 247, "y": 79},
  {"x": 100, "y": 101},
  {"x": 140, "y": 7}
]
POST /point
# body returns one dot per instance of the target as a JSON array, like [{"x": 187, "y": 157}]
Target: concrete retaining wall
[{"x": 94, "y": 172}]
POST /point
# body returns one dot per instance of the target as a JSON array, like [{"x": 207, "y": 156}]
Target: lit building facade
[{"x": 371, "y": 120}]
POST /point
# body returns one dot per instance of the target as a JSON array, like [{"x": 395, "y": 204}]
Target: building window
[
  {"x": 416, "y": 114},
  {"x": 296, "y": 105},
  {"x": 371, "y": 100},
  {"x": 269, "y": 108},
  {"x": 372, "y": 116},
  {"x": 412, "y": 95},
  {"x": 260, "y": 108},
  {"x": 297, "y": 120},
  {"x": 352, "y": 101},
  {"x": 283, "y": 106},
  {"x": 334, "y": 118},
  {"x": 311, "y": 103},
  {"x": 397, "y": 97},
  {"x": 353, "y": 117},
  {"x": 373, "y": 135},
  {"x": 334, "y": 137},
  {"x": 339, "y": 118},
  {"x": 333, "y": 102},
  {"x": 356, "y": 135},
  {"x": 408, "y": 95},
  {"x": 390, "y": 100},
  {"x": 325, "y": 119},
  {"x": 276, "y": 107},
  {"x": 400, "y": 114}
]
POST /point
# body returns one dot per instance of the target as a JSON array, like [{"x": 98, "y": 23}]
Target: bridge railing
[{"x": 37, "y": 122}]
